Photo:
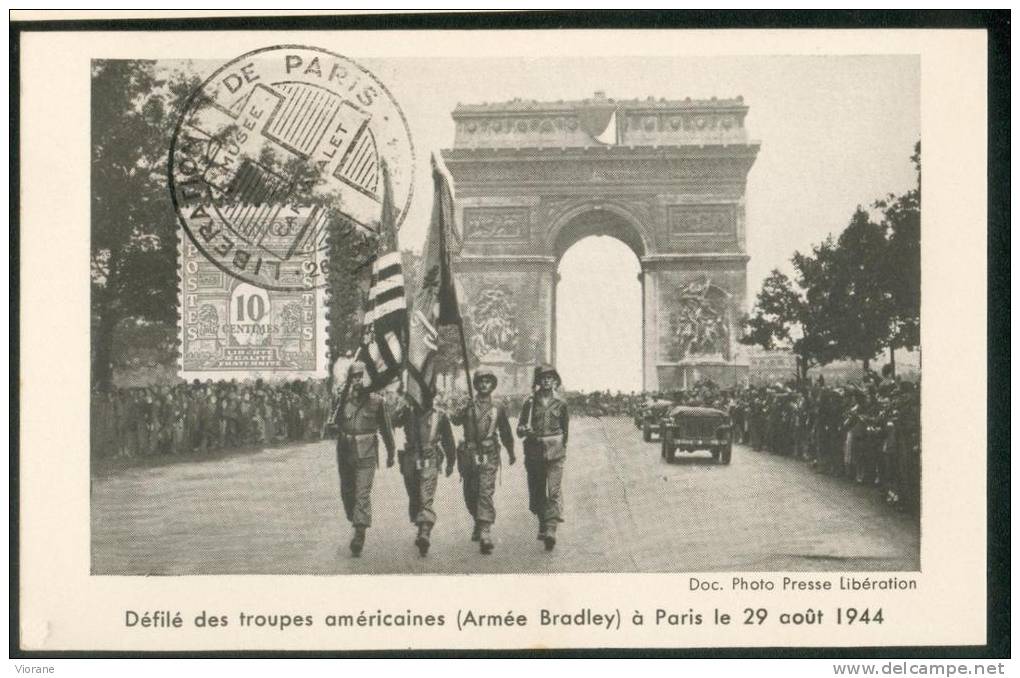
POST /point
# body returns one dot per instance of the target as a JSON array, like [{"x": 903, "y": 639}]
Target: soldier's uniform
[
  {"x": 358, "y": 421},
  {"x": 544, "y": 424},
  {"x": 486, "y": 425},
  {"x": 428, "y": 442}
]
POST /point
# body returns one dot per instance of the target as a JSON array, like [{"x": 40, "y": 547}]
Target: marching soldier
[
  {"x": 359, "y": 417},
  {"x": 485, "y": 426},
  {"x": 543, "y": 425},
  {"x": 428, "y": 440}
]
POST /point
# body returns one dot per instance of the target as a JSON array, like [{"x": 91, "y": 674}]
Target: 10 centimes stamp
[
  {"x": 231, "y": 328},
  {"x": 270, "y": 150}
]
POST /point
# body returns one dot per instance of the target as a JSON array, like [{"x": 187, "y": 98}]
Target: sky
[
  {"x": 835, "y": 132},
  {"x": 599, "y": 344}
]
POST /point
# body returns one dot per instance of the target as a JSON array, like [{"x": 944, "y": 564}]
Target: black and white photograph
[
  {"x": 513, "y": 316},
  {"x": 689, "y": 310}
]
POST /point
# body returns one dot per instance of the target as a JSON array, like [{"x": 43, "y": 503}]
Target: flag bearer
[
  {"x": 359, "y": 417},
  {"x": 428, "y": 442}
]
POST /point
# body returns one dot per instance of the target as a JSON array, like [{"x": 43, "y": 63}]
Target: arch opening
[
  {"x": 597, "y": 335},
  {"x": 597, "y": 220}
]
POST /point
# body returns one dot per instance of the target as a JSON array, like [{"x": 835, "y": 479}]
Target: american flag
[{"x": 385, "y": 323}]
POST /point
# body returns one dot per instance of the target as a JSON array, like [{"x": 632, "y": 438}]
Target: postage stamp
[
  {"x": 275, "y": 144},
  {"x": 232, "y": 327},
  {"x": 270, "y": 148}
]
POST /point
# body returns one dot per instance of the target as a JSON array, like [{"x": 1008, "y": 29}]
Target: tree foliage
[
  {"x": 790, "y": 314},
  {"x": 348, "y": 273},
  {"x": 901, "y": 217},
  {"x": 860, "y": 304},
  {"x": 853, "y": 295},
  {"x": 777, "y": 313},
  {"x": 133, "y": 234}
]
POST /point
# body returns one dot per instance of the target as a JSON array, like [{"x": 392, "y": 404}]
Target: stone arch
[
  {"x": 597, "y": 217},
  {"x": 592, "y": 217},
  {"x": 530, "y": 183}
]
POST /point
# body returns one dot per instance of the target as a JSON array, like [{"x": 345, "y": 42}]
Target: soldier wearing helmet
[
  {"x": 428, "y": 441},
  {"x": 544, "y": 424},
  {"x": 359, "y": 417},
  {"x": 486, "y": 425}
]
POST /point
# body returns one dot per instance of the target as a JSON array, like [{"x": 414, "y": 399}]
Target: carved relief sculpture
[
  {"x": 496, "y": 222},
  {"x": 494, "y": 324},
  {"x": 699, "y": 323},
  {"x": 701, "y": 219}
]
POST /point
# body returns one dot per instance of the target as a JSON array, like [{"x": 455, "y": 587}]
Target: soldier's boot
[
  {"x": 358, "y": 542},
  {"x": 485, "y": 539},
  {"x": 476, "y": 533},
  {"x": 550, "y": 536},
  {"x": 541, "y": 531},
  {"x": 422, "y": 540}
]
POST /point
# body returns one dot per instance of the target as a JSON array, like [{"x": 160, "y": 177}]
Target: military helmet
[
  {"x": 543, "y": 370},
  {"x": 484, "y": 373}
]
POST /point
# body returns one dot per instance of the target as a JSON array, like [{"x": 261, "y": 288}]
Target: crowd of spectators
[
  {"x": 868, "y": 431},
  {"x": 198, "y": 417}
]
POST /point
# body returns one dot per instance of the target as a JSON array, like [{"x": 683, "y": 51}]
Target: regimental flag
[
  {"x": 385, "y": 322},
  {"x": 436, "y": 301}
]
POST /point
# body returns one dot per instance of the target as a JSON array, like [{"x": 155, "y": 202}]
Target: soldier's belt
[
  {"x": 363, "y": 444},
  {"x": 428, "y": 460},
  {"x": 480, "y": 457},
  {"x": 552, "y": 446}
]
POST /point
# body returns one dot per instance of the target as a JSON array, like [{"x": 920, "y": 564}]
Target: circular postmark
[{"x": 276, "y": 145}]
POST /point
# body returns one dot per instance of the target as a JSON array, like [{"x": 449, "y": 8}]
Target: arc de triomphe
[{"x": 667, "y": 178}]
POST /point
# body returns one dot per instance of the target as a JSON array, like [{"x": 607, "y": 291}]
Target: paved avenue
[{"x": 277, "y": 511}]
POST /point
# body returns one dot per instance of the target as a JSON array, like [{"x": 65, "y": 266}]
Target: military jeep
[{"x": 690, "y": 429}]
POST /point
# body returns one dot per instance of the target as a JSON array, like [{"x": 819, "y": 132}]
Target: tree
[
  {"x": 133, "y": 243},
  {"x": 816, "y": 276},
  {"x": 901, "y": 217},
  {"x": 776, "y": 315},
  {"x": 777, "y": 312},
  {"x": 348, "y": 272},
  {"x": 853, "y": 295},
  {"x": 787, "y": 315},
  {"x": 861, "y": 305}
]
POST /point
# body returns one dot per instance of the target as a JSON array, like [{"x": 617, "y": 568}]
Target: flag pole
[
  {"x": 464, "y": 355},
  {"x": 472, "y": 414}
]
